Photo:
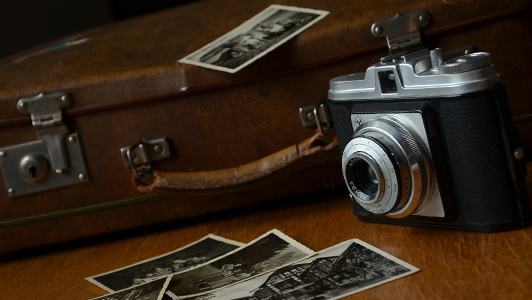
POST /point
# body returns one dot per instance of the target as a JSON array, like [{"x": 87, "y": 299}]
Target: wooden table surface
[{"x": 454, "y": 264}]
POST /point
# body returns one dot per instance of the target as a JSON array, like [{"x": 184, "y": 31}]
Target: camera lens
[
  {"x": 372, "y": 174},
  {"x": 365, "y": 178},
  {"x": 387, "y": 168}
]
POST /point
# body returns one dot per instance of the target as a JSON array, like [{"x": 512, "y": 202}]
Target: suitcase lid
[{"x": 135, "y": 61}]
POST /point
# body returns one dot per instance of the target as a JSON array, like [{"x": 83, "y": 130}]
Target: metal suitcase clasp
[{"x": 54, "y": 160}]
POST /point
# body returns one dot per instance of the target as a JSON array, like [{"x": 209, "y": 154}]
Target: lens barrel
[
  {"x": 387, "y": 168},
  {"x": 365, "y": 175}
]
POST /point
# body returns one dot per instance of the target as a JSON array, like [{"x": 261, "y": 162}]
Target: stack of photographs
[{"x": 273, "y": 266}]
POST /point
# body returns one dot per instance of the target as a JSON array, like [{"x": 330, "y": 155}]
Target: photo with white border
[
  {"x": 153, "y": 290},
  {"x": 341, "y": 270},
  {"x": 184, "y": 258},
  {"x": 254, "y": 38},
  {"x": 270, "y": 251}
]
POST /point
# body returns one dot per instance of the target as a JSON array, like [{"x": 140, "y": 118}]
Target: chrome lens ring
[
  {"x": 371, "y": 153},
  {"x": 402, "y": 148},
  {"x": 365, "y": 178},
  {"x": 419, "y": 166}
]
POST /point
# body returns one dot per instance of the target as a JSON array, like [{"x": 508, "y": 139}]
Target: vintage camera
[{"x": 427, "y": 139}]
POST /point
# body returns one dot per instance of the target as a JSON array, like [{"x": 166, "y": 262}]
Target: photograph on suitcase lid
[{"x": 253, "y": 39}]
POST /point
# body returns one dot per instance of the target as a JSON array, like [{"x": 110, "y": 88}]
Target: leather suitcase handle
[{"x": 208, "y": 180}]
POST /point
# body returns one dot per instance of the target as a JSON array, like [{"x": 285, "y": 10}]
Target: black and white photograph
[
  {"x": 253, "y": 39},
  {"x": 336, "y": 272},
  {"x": 271, "y": 251},
  {"x": 153, "y": 290},
  {"x": 189, "y": 256}
]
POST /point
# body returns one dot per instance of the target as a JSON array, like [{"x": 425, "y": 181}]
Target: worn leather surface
[
  {"x": 343, "y": 123},
  {"x": 136, "y": 60},
  {"x": 127, "y": 85},
  {"x": 177, "y": 181},
  {"x": 479, "y": 167}
]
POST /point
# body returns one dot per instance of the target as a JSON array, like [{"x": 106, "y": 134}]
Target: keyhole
[{"x": 33, "y": 170}]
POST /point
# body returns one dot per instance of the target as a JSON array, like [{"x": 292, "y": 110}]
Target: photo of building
[{"x": 328, "y": 277}]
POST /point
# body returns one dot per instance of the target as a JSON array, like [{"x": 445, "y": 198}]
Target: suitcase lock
[{"x": 54, "y": 160}]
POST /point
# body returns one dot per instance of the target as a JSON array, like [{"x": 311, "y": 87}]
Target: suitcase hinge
[
  {"x": 402, "y": 31},
  {"x": 26, "y": 166}
]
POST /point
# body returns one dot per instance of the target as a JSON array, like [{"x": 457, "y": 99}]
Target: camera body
[{"x": 428, "y": 140}]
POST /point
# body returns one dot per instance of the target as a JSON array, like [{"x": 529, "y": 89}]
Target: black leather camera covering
[
  {"x": 481, "y": 174},
  {"x": 482, "y": 186}
]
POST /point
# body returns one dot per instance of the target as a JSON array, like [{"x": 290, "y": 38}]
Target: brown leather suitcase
[{"x": 119, "y": 88}]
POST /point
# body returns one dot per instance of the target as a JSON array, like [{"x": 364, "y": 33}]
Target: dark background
[{"x": 27, "y": 23}]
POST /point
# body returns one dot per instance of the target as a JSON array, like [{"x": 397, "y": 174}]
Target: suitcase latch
[
  {"x": 316, "y": 115},
  {"x": 141, "y": 154},
  {"x": 54, "y": 160},
  {"x": 402, "y": 31},
  {"x": 47, "y": 118}
]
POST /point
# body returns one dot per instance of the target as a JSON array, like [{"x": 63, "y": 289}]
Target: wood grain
[{"x": 454, "y": 264}]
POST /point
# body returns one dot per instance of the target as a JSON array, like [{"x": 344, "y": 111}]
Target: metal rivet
[
  {"x": 468, "y": 51},
  {"x": 310, "y": 116},
  {"x": 519, "y": 153},
  {"x": 3, "y": 154},
  {"x": 378, "y": 29},
  {"x": 22, "y": 105},
  {"x": 72, "y": 139},
  {"x": 81, "y": 177},
  {"x": 59, "y": 171},
  {"x": 158, "y": 149},
  {"x": 64, "y": 98},
  {"x": 11, "y": 191},
  {"x": 422, "y": 18}
]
